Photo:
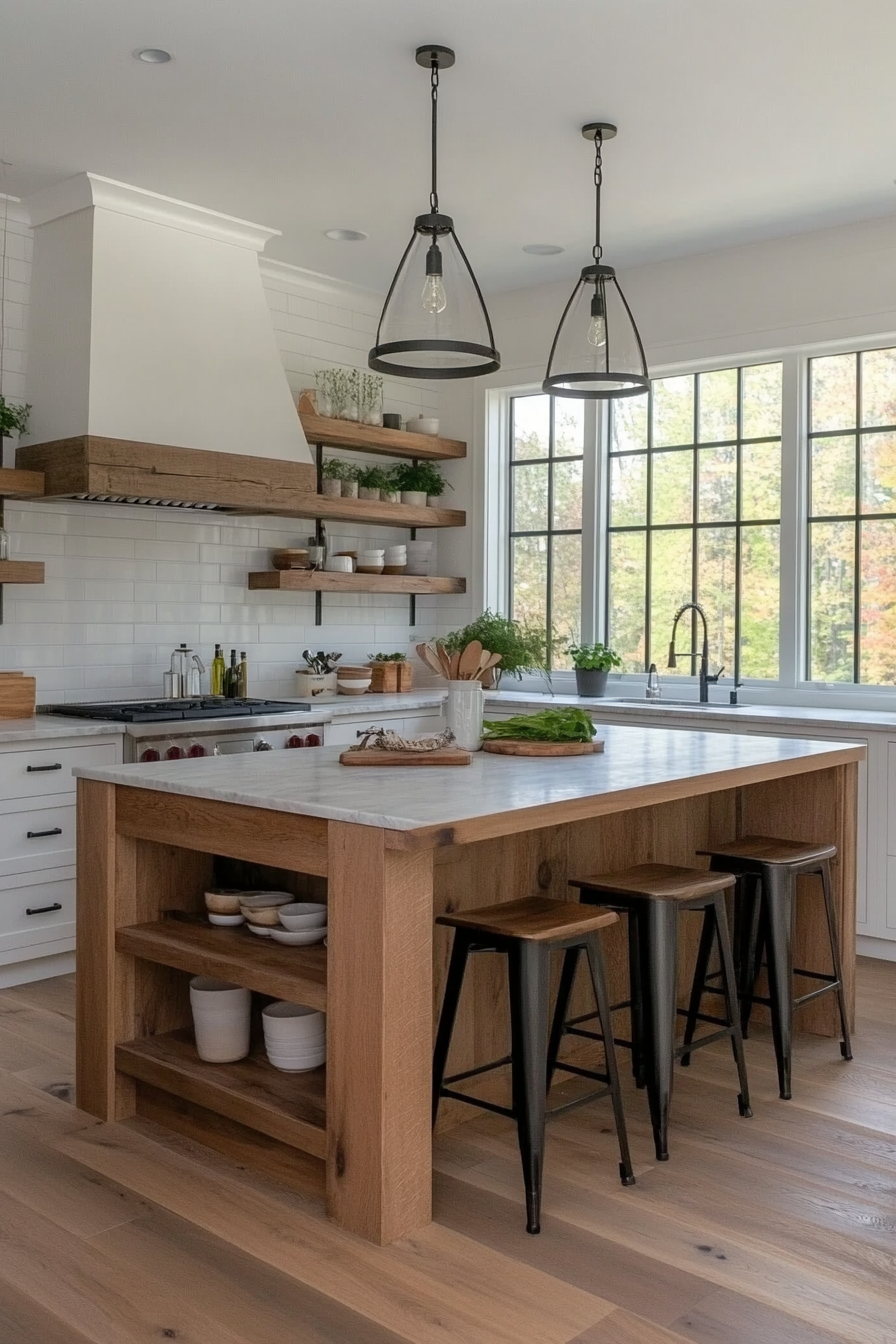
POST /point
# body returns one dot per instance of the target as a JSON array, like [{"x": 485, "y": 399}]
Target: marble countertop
[
  {"x": 51, "y": 727},
  {"x": 313, "y": 783}
]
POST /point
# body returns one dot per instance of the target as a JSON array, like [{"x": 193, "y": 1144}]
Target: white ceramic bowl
[
  {"x": 281, "y": 1015},
  {"x": 373, "y": 555},
  {"x": 223, "y": 900},
  {"x": 226, "y": 921},
  {"x": 264, "y": 919},
  {"x": 314, "y": 1062},
  {"x": 299, "y": 937},
  {"x": 263, "y": 900},
  {"x": 303, "y": 915},
  {"x": 257, "y": 928},
  {"x": 338, "y": 564},
  {"x": 422, "y": 424},
  {"x": 353, "y": 687}
]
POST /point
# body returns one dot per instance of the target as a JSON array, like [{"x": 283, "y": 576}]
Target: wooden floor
[{"x": 776, "y": 1230}]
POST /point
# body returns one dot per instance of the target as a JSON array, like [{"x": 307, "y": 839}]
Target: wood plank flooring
[{"x": 776, "y": 1230}]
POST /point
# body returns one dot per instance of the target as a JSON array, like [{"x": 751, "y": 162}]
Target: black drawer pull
[
  {"x": 39, "y": 835},
  {"x": 44, "y": 909},
  {"x": 38, "y": 769}
]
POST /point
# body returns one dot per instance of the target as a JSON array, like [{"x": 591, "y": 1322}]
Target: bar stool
[
  {"x": 652, "y": 895},
  {"x": 767, "y": 870},
  {"x": 527, "y": 931}
]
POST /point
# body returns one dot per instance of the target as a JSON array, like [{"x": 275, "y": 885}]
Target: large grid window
[
  {"x": 852, "y": 518},
  {"x": 694, "y": 510},
  {"x": 546, "y": 462}
]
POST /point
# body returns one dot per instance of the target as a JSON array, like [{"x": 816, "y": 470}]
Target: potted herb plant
[
  {"x": 372, "y": 481},
  {"x": 523, "y": 647},
  {"x": 318, "y": 676},
  {"x": 417, "y": 481},
  {"x": 390, "y": 492},
  {"x": 13, "y": 419},
  {"x": 390, "y": 672},
  {"x": 333, "y": 473},
  {"x": 592, "y": 663}
]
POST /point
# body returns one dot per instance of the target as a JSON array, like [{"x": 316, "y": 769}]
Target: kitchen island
[{"x": 396, "y": 846}]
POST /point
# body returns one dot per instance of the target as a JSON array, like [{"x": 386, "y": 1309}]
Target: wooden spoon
[
  {"x": 444, "y": 660},
  {"x": 493, "y": 660},
  {"x": 426, "y": 655},
  {"x": 469, "y": 660},
  {"x": 455, "y": 667}
]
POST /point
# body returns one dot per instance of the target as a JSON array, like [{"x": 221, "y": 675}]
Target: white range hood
[{"x": 149, "y": 327}]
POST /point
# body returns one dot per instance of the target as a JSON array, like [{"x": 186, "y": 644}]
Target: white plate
[
  {"x": 264, "y": 900},
  {"x": 260, "y": 930},
  {"x": 298, "y": 937},
  {"x": 226, "y": 921}
]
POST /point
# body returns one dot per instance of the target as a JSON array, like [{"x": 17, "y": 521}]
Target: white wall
[{"x": 124, "y": 585}]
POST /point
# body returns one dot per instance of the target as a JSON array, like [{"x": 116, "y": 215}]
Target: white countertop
[
  {"x": 51, "y": 727},
  {"x": 313, "y": 783}
]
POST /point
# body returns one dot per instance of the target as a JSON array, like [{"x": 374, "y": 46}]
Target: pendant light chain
[
  {"x": 597, "y": 250},
  {"x": 434, "y": 82}
]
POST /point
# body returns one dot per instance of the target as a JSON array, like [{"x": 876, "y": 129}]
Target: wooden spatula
[
  {"x": 493, "y": 661},
  {"x": 455, "y": 667},
  {"x": 469, "y": 660},
  {"x": 444, "y": 660}
]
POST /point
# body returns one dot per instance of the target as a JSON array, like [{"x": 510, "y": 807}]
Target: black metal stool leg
[
  {"x": 659, "y": 959},
  {"x": 830, "y": 911},
  {"x": 778, "y": 904},
  {"x": 729, "y": 983},
  {"x": 567, "y": 980},
  {"x": 453, "y": 986},
  {"x": 597, "y": 967},
  {"x": 636, "y": 998},
  {"x": 698, "y": 984},
  {"x": 748, "y": 955},
  {"x": 529, "y": 990}
]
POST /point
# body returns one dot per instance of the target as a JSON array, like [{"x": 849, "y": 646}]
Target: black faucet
[{"x": 705, "y": 678}]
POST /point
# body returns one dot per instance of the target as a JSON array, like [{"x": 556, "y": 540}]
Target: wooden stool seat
[
  {"x": 659, "y": 882},
  {"x": 765, "y": 849},
  {"x": 533, "y": 919}
]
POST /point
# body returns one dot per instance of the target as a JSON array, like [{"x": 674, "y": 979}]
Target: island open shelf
[{"x": 290, "y": 1107}]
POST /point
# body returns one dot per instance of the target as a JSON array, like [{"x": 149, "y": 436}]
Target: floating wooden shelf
[
  {"x": 290, "y": 1107},
  {"x": 295, "y": 973},
  {"x": 372, "y": 512},
  {"x": 318, "y": 581},
  {"x": 375, "y": 439},
  {"x": 16, "y": 484},
  {"x": 21, "y": 571}
]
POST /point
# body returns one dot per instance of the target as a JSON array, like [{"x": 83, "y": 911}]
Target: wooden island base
[{"x": 362, "y": 1131}]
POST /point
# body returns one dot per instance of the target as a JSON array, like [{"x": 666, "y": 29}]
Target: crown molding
[
  {"x": 90, "y": 191},
  {"x": 317, "y": 285}
]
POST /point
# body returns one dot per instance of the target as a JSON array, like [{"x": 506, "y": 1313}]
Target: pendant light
[
  {"x": 597, "y": 352},
  {"x": 434, "y": 323}
]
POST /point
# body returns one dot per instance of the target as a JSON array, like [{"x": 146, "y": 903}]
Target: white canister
[
  {"x": 221, "y": 1016},
  {"x": 463, "y": 711},
  {"x": 315, "y": 684}
]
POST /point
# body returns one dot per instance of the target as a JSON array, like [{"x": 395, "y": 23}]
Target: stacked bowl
[
  {"x": 294, "y": 1036},
  {"x": 353, "y": 680},
  {"x": 301, "y": 923},
  {"x": 371, "y": 562},
  {"x": 419, "y": 557},
  {"x": 223, "y": 906},
  {"x": 261, "y": 909},
  {"x": 395, "y": 559}
]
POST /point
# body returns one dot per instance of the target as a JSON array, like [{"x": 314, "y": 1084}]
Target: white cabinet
[
  {"x": 345, "y": 730},
  {"x": 37, "y": 853}
]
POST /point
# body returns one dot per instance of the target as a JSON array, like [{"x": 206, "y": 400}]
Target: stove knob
[
  {"x": 261, "y": 745},
  {"x": 175, "y": 754},
  {"x": 197, "y": 749},
  {"x": 296, "y": 741},
  {"x": 150, "y": 755},
  {"x": 312, "y": 740}
]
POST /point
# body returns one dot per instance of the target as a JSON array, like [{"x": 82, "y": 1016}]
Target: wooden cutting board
[
  {"x": 512, "y": 747},
  {"x": 17, "y": 694},
  {"x": 443, "y": 756}
]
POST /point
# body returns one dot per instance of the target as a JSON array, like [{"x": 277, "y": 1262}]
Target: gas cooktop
[{"x": 167, "y": 711}]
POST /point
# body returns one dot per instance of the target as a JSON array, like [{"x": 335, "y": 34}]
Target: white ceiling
[{"x": 739, "y": 119}]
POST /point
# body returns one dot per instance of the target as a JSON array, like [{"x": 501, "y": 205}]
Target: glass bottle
[
  {"x": 217, "y": 677},
  {"x": 232, "y": 678},
  {"x": 243, "y": 677}
]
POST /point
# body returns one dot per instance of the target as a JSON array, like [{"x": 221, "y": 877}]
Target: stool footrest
[
  {"x": 704, "y": 1040},
  {"x": 480, "y": 1102},
  {"x": 577, "y": 1101},
  {"x": 482, "y": 1068}
]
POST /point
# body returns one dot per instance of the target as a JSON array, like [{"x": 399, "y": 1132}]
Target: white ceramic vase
[
  {"x": 221, "y": 1015},
  {"x": 463, "y": 711},
  {"x": 415, "y": 497}
]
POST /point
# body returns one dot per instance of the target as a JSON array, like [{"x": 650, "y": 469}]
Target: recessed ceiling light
[
  {"x": 543, "y": 249},
  {"x": 345, "y": 235},
  {"x": 153, "y": 56}
]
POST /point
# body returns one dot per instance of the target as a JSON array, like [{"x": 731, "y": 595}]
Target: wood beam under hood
[{"x": 89, "y": 466}]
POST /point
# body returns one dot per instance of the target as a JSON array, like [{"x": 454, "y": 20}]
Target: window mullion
[
  {"x": 594, "y": 537},
  {"x": 793, "y": 548}
]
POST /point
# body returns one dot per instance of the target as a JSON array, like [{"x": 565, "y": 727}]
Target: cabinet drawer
[
  {"x": 41, "y": 837},
  {"x": 47, "y": 770},
  {"x": 51, "y": 899}
]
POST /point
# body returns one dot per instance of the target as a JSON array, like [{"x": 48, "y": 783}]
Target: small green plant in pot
[
  {"x": 372, "y": 481},
  {"x": 13, "y": 419},
  {"x": 417, "y": 481},
  {"x": 593, "y": 664},
  {"x": 523, "y": 648}
]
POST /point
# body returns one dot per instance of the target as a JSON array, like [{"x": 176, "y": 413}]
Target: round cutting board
[{"x": 506, "y": 746}]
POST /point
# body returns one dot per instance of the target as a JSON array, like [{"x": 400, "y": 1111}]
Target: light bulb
[
  {"x": 434, "y": 298},
  {"x": 597, "y": 331}
]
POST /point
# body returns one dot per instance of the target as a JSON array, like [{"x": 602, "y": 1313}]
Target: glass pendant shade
[
  {"x": 434, "y": 322},
  {"x": 597, "y": 351}
]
